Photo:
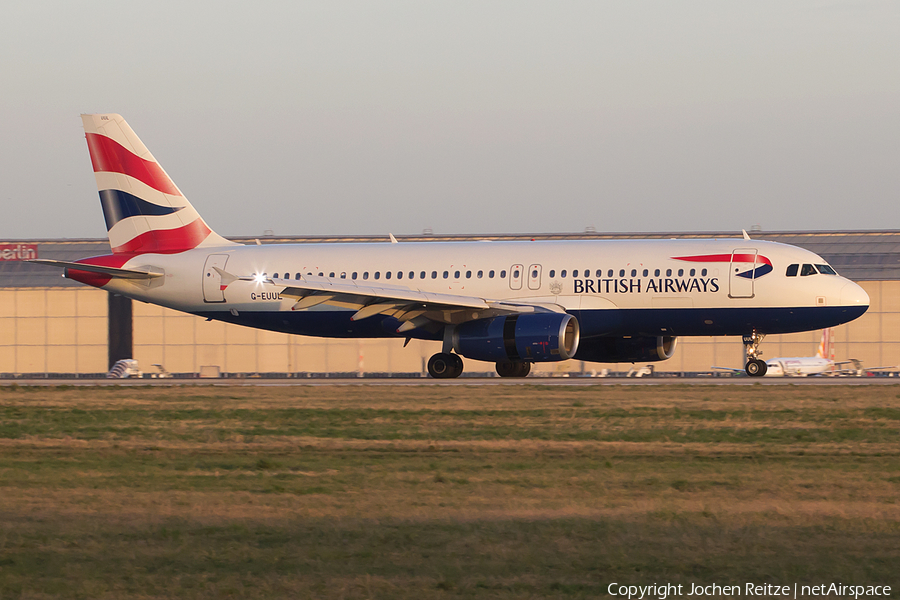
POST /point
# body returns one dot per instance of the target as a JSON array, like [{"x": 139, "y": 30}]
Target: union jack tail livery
[
  {"x": 825, "y": 350},
  {"x": 145, "y": 211}
]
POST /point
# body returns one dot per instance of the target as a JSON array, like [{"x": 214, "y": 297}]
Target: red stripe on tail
[
  {"x": 166, "y": 241},
  {"x": 110, "y": 156}
]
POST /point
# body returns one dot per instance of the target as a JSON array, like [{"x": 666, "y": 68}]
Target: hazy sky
[{"x": 463, "y": 117}]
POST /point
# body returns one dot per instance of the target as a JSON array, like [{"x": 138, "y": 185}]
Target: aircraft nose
[{"x": 854, "y": 295}]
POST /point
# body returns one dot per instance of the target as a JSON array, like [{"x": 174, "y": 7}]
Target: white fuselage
[{"x": 615, "y": 287}]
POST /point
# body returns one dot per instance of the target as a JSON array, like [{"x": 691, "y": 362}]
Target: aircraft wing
[
  {"x": 140, "y": 273},
  {"x": 412, "y": 306}
]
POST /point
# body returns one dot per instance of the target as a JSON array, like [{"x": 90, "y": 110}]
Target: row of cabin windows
[
  {"x": 809, "y": 270},
  {"x": 634, "y": 273},
  {"x": 534, "y": 274},
  {"x": 411, "y": 274}
]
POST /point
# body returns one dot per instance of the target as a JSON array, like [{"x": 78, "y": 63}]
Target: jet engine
[
  {"x": 541, "y": 337},
  {"x": 627, "y": 349}
]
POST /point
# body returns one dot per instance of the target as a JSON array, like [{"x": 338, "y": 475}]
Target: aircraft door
[
  {"x": 515, "y": 277},
  {"x": 534, "y": 277},
  {"x": 213, "y": 290},
  {"x": 742, "y": 272}
]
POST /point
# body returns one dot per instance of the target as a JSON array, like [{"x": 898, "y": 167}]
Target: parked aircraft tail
[
  {"x": 824, "y": 350},
  {"x": 144, "y": 210}
]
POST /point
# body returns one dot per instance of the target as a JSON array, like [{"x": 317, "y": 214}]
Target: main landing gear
[
  {"x": 445, "y": 365},
  {"x": 755, "y": 367},
  {"x": 513, "y": 369}
]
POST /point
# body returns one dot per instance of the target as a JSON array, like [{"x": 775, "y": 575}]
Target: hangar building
[{"x": 51, "y": 326}]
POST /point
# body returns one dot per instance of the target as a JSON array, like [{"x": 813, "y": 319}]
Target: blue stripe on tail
[{"x": 118, "y": 205}]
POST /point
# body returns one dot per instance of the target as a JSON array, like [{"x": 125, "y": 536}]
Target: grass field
[{"x": 436, "y": 492}]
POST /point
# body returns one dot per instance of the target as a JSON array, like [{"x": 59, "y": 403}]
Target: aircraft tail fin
[
  {"x": 824, "y": 350},
  {"x": 144, "y": 209}
]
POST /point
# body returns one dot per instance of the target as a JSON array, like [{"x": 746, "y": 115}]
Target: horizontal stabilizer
[{"x": 143, "y": 273}]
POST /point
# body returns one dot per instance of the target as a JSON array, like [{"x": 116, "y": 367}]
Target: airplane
[
  {"x": 821, "y": 363},
  {"x": 511, "y": 303}
]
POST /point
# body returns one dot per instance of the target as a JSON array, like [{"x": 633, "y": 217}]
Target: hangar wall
[{"x": 64, "y": 330}]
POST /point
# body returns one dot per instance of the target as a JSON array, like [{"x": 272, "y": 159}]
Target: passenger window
[
  {"x": 826, "y": 270},
  {"x": 331, "y": 275},
  {"x": 681, "y": 272},
  {"x": 693, "y": 272},
  {"x": 609, "y": 273},
  {"x": 446, "y": 274},
  {"x": 668, "y": 272},
  {"x": 534, "y": 274},
  {"x": 792, "y": 270},
  {"x": 552, "y": 273},
  {"x": 320, "y": 274},
  {"x": 343, "y": 274},
  {"x": 634, "y": 272},
  {"x": 599, "y": 273},
  {"x": 807, "y": 270},
  {"x": 480, "y": 274},
  {"x": 468, "y": 274},
  {"x": 562, "y": 273},
  {"x": 456, "y": 275},
  {"x": 422, "y": 275},
  {"x": 575, "y": 273},
  {"x": 274, "y": 275},
  {"x": 503, "y": 274},
  {"x": 297, "y": 276},
  {"x": 434, "y": 274},
  {"x": 516, "y": 274},
  {"x": 353, "y": 276},
  {"x": 703, "y": 273},
  {"x": 399, "y": 274},
  {"x": 621, "y": 272},
  {"x": 412, "y": 275},
  {"x": 365, "y": 274},
  {"x": 656, "y": 273},
  {"x": 387, "y": 275},
  {"x": 646, "y": 272},
  {"x": 491, "y": 274}
]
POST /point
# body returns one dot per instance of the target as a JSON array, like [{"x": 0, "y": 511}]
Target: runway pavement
[{"x": 462, "y": 381}]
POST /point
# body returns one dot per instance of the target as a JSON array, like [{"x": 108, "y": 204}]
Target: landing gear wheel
[
  {"x": 756, "y": 367},
  {"x": 444, "y": 365},
  {"x": 513, "y": 369}
]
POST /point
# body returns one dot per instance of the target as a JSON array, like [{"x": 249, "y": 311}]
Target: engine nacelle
[
  {"x": 631, "y": 349},
  {"x": 539, "y": 337}
]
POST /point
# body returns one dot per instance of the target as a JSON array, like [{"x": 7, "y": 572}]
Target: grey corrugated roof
[{"x": 859, "y": 255}]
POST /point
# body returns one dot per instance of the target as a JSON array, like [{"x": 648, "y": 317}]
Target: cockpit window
[
  {"x": 792, "y": 270},
  {"x": 808, "y": 270},
  {"x": 826, "y": 270}
]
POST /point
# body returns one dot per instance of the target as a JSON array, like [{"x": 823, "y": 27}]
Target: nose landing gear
[{"x": 755, "y": 367}]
